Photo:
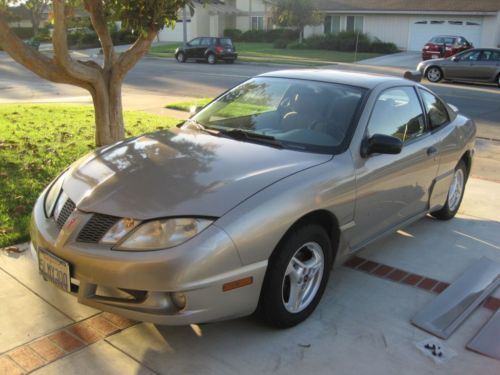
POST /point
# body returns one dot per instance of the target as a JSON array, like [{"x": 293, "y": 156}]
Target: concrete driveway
[{"x": 407, "y": 60}]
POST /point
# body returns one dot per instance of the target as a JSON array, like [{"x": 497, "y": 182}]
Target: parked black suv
[{"x": 209, "y": 49}]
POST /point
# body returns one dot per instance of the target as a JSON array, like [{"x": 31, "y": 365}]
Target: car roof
[{"x": 365, "y": 80}]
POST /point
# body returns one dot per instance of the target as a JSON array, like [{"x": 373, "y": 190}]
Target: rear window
[
  {"x": 225, "y": 42},
  {"x": 441, "y": 40}
]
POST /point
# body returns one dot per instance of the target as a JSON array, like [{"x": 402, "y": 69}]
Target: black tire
[
  {"x": 180, "y": 57},
  {"x": 434, "y": 74},
  {"x": 276, "y": 290},
  {"x": 498, "y": 80},
  {"x": 211, "y": 59},
  {"x": 451, "y": 207}
]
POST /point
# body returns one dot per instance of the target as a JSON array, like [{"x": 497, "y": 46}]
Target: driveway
[{"x": 407, "y": 60}]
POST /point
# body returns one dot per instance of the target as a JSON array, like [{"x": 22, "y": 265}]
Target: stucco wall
[
  {"x": 491, "y": 32},
  {"x": 388, "y": 28}
]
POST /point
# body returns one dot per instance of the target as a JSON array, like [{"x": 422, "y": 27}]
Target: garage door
[{"x": 421, "y": 31}]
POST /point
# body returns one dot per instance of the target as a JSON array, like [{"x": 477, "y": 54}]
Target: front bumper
[{"x": 143, "y": 285}]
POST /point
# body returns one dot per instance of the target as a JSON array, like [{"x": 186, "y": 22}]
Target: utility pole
[{"x": 184, "y": 25}]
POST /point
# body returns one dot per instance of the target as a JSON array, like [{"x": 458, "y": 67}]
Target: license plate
[{"x": 54, "y": 269}]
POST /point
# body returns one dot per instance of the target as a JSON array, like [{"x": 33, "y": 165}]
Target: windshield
[{"x": 299, "y": 114}]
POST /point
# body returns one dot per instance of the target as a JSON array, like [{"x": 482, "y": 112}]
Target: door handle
[{"x": 431, "y": 151}]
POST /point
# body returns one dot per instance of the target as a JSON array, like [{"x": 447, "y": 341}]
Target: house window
[
  {"x": 332, "y": 24},
  {"x": 354, "y": 24},
  {"x": 257, "y": 23}
]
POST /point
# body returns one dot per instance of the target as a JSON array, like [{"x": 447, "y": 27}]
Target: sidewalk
[{"x": 361, "y": 326}]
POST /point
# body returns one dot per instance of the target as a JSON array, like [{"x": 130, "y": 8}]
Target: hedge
[
  {"x": 346, "y": 41},
  {"x": 267, "y": 36}
]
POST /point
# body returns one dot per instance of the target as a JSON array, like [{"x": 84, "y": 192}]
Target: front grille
[
  {"x": 96, "y": 228},
  {"x": 68, "y": 208}
]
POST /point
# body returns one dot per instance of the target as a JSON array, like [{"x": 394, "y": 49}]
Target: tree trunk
[{"x": 107, "y": 98}]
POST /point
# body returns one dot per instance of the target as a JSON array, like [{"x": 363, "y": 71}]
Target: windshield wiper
[
  {"x": 243, "y": 135},
  {"x": 197, "y": 126}
]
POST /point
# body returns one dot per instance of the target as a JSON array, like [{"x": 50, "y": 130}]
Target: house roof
[{"x": 421, "y": 6}]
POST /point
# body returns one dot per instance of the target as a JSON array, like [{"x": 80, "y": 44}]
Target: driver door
[
  {"x": 391, "y": 189},
  {"x": 192, "y": 47},
  {"x": 462, "y": 67}
]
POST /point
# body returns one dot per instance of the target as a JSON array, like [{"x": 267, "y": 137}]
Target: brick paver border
[
  {"x": 404, "y": 277},
  {"x": 49, "y": 348}
]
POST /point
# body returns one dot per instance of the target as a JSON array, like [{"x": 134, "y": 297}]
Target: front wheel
[
  {"x": 211, "y": 58},
  {"x": 296, "y": 277},
  {"x": 434, "y": 74},
  {"x": 498, "y": 80},
  {"x": 455, "y": 194}
]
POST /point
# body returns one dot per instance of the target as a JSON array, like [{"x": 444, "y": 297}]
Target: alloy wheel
[
  {"x": 303, "y": 277},
  {"x": 456, "y": 190},
  {"x": 211, "y": 58},
  {"x": 434, "y": 74}
]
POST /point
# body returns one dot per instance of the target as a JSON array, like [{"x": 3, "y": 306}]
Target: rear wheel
[
  {"x": 296, "y": 277},
  {"x": 181, "y": 57},
  {"x": 211, "y": 58},
  {"x": 434, "y": 74},
  {"x": 455, "y": 194},
  {"x": 498, "y": 80}
]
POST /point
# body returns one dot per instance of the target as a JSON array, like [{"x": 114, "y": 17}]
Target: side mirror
[
  {"x": 195, "y": 109},
  {"x": 381, "y": 144}
]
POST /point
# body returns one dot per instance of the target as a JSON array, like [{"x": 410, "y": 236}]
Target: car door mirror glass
[{"x": 381, "y": 144}]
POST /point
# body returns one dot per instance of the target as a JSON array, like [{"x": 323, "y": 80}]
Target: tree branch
[
  {"x": 130, "y": 57},
  {"x": 33, "y": 60},
  {"x": 96, "y": 10},
  {"x": 61, "y": 55}
]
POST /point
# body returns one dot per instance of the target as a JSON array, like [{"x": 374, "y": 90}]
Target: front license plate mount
[{"x": 54, "y": 270}]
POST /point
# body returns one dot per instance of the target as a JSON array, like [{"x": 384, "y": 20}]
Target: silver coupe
[{"x": 248, "y": 205}]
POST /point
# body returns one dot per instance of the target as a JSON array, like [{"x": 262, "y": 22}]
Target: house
[
  {"x": 410, "y": 24},
  {"x": 211, "y": 18}
]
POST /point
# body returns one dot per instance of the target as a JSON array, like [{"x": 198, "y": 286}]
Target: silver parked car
[
  {"x": 477, "y": 65},
  {"x": 249, "y": 203}
]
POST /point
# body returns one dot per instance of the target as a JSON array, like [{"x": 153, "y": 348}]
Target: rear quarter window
[{"x": 225, "y": 42}]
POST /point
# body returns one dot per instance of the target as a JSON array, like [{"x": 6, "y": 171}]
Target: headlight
[
  {"x": 162, "y": 234},
  {"x": 52, "y": 195},
  {"x": 119, "y": 230}
]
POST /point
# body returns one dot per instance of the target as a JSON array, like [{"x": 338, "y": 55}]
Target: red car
[{"x": 444, "y": 46}]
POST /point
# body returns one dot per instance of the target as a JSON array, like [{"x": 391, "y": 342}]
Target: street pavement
[{"x": 362, "y": 325}]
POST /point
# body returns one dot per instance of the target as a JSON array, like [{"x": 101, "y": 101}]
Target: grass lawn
[
  {"x": 264, "y": 52},
  {"x": 186, "y": 106},
  {"x": 36, "y": 143}
]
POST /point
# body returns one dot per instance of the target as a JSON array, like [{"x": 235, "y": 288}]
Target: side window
[
  {"x": 496, "y": 56},
  {"x": 470, "y": 56},
  {"x": 205, "y": 42},
  {"x": 436, "y": 111},
  {"x": 397, "y": 112},
  {"x": 195, "y": 42}
]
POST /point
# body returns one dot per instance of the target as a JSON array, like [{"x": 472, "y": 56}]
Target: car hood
[{"x": 178, "y": 172}]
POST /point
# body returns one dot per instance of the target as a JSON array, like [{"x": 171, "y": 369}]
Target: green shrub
[
  {"x": 346, "y": 42},
  {"x": 81, "y": 40},
  {"x": 280, "y": 43},
  {"x": 23, "y": 32},
  {"x": 43, "y": 36},
  {"x": 267, "y": 36},
  {"x": 123, "y": 37},
  {"x": 234, "y": 34}
]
